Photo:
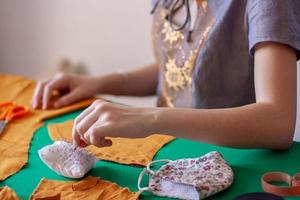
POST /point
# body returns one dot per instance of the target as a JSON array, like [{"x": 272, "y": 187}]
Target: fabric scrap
[
  {"x": 89, "y": 188},
  {"x": 7, "y": 193}
]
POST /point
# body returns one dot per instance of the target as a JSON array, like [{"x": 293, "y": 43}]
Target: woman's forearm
[
  {"x": 258, "y": 125},
  {"x": 139, "y": 82}
]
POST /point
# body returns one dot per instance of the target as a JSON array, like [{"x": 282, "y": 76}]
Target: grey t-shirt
[{"x": 216, "y": 69}]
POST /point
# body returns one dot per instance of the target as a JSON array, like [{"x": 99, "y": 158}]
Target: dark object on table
[{"x": 258, "y": 196}]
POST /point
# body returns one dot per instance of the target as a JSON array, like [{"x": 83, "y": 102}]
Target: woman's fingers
[
  {"x": 68, "y": 99},
  {"x": 93, "y": 124},
  {"x": 77, "y": 88},
  {"x": 76, "y": 137},
  {"x": 38, "y": 94},
  {"x": 83, "y": 144},
  {"x": 87, "y": 122},
  {"x": 96, "y": 106},
  {"x": 44, "y": 90},
  {"x": 87, "y": 111},
  {"x": 95, "y": 137},
  {"x": 91, "y": 136},
  {"x": 75, "y": 134},
  {"x": 51, "y": 86}
]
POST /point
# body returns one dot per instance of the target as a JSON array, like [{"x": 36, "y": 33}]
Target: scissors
[{"x": 10, "y": 111}]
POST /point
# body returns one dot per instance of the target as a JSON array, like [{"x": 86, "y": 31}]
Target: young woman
[{"x": 225, "y": 74}]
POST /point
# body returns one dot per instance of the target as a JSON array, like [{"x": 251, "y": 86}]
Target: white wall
[{"x": 106, "y": 35}]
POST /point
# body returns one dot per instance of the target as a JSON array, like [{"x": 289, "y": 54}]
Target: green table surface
[{"x": 248, "y": 165}]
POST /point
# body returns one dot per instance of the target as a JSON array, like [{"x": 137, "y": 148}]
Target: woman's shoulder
[{"x": 274, "y": 20}]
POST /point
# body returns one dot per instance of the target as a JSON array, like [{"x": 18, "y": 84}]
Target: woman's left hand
[{"x": 104, "y": 119}]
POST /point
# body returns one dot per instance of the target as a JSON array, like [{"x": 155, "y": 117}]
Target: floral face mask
[{"x": 195, "y": 178}]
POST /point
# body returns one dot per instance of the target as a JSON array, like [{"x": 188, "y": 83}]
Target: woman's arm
[
  {"x": 139, "y": 82},
  {"x": 268, "y": 123}
]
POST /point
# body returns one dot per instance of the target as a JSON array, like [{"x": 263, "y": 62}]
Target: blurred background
[{"x": 41, "y": 38}]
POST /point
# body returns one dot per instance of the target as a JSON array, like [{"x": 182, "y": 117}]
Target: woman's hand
[
  {"x": 104, "y": 119},
  {"x": 73, "y": 87}
]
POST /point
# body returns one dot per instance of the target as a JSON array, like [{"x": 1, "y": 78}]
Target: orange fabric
[
  {"x": 123, "y": 150},
  {"x": 90, "y": 188},
  {"x": 19, "y": 132},
  {"x": 8, "y": 194}
]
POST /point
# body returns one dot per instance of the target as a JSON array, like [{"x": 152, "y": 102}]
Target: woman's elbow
[{"x": 285, "y": 130}]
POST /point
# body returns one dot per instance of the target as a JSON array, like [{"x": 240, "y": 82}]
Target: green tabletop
[{"x": 248, "y": 165}]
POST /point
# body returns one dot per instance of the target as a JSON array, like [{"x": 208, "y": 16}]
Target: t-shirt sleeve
[{"x": 274, "y": 21}]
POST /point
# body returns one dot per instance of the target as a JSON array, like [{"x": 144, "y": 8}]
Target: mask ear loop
[
  {"x": 147, "y": 170},
  {"x": 140, "y": 180},
  {"x": 150, "y": 164}
]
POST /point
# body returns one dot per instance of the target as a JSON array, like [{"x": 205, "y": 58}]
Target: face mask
[
  {"x": 195, "y": 178},
  {"x": 66, "y": 160}
]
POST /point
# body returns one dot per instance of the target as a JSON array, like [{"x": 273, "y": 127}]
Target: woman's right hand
[{"x": 72, "y": 88}]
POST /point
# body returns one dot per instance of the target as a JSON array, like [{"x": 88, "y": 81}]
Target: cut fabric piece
[
  {"x": 19, "y": 132},
  {"x": 90, "y": 188},
  {"x": 66, "y": 160},
  {"x": 8, "y": 194},
  {"x": 123, "y": 150}
]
